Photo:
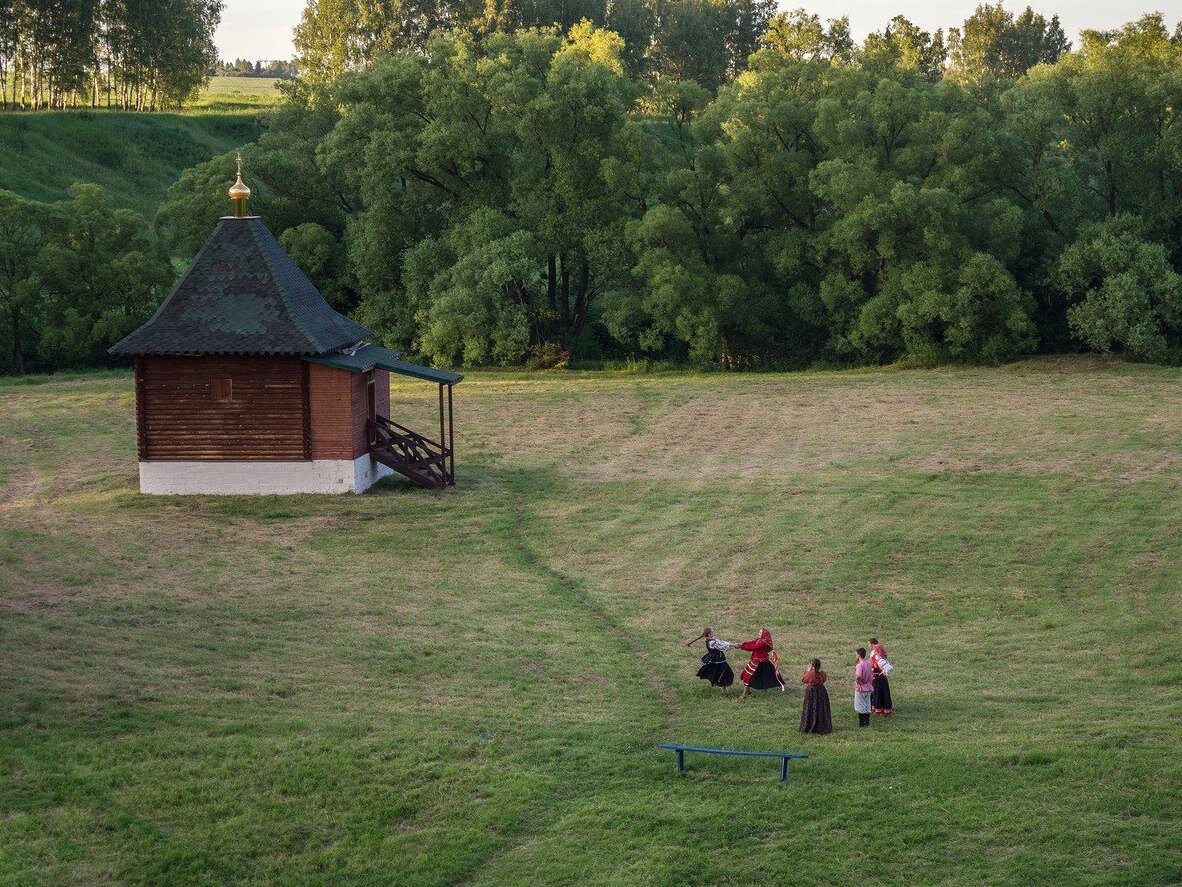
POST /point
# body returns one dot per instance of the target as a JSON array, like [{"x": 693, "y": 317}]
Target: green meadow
[
  {"x": 244, "y": 92},
  {"x": 469, "y": 687},
  {"x": 134, "y": 157}
]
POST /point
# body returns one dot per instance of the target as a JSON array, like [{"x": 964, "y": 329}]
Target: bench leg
[
  {"x": 680, "y": 761},
  {"x": 783, "y": 769}
]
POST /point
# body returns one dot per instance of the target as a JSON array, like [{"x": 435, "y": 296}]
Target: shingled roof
[{"x": 243, "y": 295}]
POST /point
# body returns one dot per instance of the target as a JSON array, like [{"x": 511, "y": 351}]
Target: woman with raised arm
[
  {"x": 815, "y": 716},
  {"x": 761, "y": 672},
  {"x": 715, "y": 668}
]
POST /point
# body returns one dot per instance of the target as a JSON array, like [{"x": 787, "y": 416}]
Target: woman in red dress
[{"x": 761, "y": 672}]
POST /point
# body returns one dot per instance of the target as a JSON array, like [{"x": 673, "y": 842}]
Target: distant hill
[{"x": 136, "y": 157}]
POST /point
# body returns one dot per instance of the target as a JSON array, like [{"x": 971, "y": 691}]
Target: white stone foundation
[{"x": 261, "y": 478}]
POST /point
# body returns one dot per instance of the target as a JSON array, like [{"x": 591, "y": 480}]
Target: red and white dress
[
  {"x": 761, "y": 672},
  {"x": 880, "y": 695}
]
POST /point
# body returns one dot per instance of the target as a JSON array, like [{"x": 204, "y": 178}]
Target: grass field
[
  {"x": 135, "y": 157},
  {"x": 242, "y": 92},
  {"x": 469, "y": 687}
]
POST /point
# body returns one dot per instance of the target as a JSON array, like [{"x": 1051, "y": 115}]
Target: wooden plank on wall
[
  {"x": 262, "y": 421},
  {"x": 141, "y": 428},
  {"x": 306, "y": 408}
]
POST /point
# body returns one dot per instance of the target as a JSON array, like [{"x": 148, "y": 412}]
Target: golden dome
[{"x": 239, "y": 191}]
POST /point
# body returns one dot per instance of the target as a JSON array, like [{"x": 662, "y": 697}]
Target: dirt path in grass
[{"x": 525, "y": 534}]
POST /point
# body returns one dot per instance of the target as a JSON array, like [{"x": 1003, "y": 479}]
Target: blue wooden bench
[{"x": 782, "y": 755}]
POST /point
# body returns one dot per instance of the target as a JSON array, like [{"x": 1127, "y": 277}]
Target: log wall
[
  {"x": 180, "y": 419},
  {"x": 279, "y": 409}
]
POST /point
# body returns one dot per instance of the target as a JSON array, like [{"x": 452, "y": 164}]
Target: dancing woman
[
  {"x": 880, "y": 696},
  {"x": 715, "y": 668},
  {"x": 815, "y": 716},
  {"x": 761, "y": 672}
]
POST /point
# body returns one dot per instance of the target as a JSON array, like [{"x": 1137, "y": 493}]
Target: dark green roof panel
[
  {"x": 358, "y": 361},
  {"x": 243, "y": 295},
  {"x": 368, "y": 357}
]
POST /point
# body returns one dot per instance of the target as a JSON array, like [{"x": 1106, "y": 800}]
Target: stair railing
[{"x": 411, "y": 450}]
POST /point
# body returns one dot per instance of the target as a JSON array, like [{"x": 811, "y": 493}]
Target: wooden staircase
[{"x": 422, "y": 460}]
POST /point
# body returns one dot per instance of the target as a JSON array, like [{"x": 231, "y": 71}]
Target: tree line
[
  {"x": 707, "y": 41},
  {"x": 277, "y": 69},
  {"x": 140, "y": 55},
  {"x": 518, "y": 196}
]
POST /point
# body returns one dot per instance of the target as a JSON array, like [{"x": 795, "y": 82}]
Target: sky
[{"x": 261, "y": 29}]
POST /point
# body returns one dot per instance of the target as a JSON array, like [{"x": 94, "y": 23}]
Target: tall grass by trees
[{"x": 105, "y": 53}]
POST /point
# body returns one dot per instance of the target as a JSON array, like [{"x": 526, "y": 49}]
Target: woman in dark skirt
[
  {"x": 715, "y": 668},
  {"x": 880, "y": 696},
  {"x": 815, "y": 717},
  {"x": 761, "y": 672}
]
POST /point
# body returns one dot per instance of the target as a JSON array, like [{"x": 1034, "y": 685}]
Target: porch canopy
[
  {"x": 427, "y": 462},
  {"x": 369, "y": 357}
]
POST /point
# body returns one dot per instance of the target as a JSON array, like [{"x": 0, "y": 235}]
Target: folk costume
[
  {"x": 715, "y": 668},
  {"x": 880, "y": 695},
  {"x": 761, "y": 672},
  {"x": 815, "y": 716},
  {"x": 863, "y": 686}
]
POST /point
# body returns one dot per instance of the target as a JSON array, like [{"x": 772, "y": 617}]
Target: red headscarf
[
  {"x": 765, "y": 636},
  {"x": 880, "y": 650}
]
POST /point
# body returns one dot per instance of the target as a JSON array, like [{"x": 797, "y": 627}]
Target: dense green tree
[
  {"x": 634, "y": 21},
  {"x": 103, "y": 277},
  {"x": 1124, "y": 293},
  {"x": 498, "y": 195},
  {"x": 133, "y": 54},
  {"x": 75, "y": 277},
  {"x": 750, "y": 22},
  {"x": 800, "y": 36},
  {"x": 725, "y": 256},
  {"x": 479, "y": 191},
  {"x": 1095, "y": 135},
  {"x": 995, "y": 44},
  {"x": 335, "y": 36},
  {"x": 25, "y": 228},
  {"x": 701, "y": 40},
  {"x": 912, "y": 208},
  {"x": 692, "y": 41},
  {"x": 902, "y": 44}
]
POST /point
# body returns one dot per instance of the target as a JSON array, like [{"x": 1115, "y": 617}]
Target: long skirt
[
  {"x": 766, "y": 677},
  {"x": 719, "y": 674},
  {"x": 880, "y": 699},
  {"x": 816, "y": 717}
]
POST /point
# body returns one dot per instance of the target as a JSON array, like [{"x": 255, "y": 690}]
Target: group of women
[{"x": 872, "y": 689}]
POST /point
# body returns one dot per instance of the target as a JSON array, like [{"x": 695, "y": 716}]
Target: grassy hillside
[
  {"x": 136, "y": 157},
  {"x": 469, "y": 687}
]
